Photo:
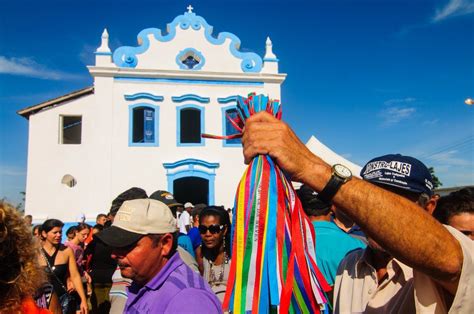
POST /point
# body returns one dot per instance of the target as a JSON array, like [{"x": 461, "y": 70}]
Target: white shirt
[
  {"x": 183, "y": 221},
  {"x": 405, "y": 290}
]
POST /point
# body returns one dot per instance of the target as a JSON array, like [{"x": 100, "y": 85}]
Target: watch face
[{"x": 342, "y": 171}]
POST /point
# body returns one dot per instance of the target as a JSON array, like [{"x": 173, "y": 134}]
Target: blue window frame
[
  {"x": 190, "y": 125},
  {"x": 143, "y": 125},
  {"x": 228, "y": 128}
]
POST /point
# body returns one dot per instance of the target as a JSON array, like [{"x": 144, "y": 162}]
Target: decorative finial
[
  {"x": 269, "y": 50},
  {"x": 104, "y": 47},
  {"x": 190, "y": 9}
]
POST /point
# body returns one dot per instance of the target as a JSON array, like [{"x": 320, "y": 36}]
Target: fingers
[
  {"x": 263, "y": 134},
  {"x": 84, "y": 309},
  {"x": 262, "y": 116}
]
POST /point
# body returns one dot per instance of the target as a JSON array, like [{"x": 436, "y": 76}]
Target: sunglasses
[{"x": 213, "y": 229}]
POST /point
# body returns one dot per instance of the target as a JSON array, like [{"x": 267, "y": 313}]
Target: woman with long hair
[
  {"x": 20, "y": 273},
  {"x": 58, "y": 261},
  {"x": 76, "y": 244},
  {"x": 214, "y": 227}
]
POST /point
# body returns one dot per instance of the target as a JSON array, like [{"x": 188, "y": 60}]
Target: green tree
[{"x": 436, "y": 182}]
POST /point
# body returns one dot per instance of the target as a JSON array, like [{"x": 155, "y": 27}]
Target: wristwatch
[{"x": 340, "y": 175}]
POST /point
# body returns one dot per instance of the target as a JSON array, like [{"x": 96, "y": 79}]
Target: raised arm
[{"x": 402, "y": 227}]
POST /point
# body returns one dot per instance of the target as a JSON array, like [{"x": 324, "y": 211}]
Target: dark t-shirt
[{"x": 101, "y": 266}]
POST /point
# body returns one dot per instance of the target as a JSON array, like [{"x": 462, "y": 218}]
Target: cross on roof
[{"x": 190, "y": 9}]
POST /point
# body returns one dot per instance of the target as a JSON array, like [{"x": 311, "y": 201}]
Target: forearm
[
  {"x": 76, "y": 280},
  {"x": 400, "y": 226}
]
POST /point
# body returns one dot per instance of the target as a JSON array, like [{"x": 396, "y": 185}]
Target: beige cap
[{"x": 136, "y": 218}]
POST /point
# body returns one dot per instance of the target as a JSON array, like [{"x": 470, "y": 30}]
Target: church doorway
[{"x": 191, "y": 189}]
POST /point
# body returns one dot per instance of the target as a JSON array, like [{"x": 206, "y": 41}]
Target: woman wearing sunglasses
[{"x": 214, "y": 227}]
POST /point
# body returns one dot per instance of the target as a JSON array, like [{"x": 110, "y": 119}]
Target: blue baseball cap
[{"x": 399, "y": 171}]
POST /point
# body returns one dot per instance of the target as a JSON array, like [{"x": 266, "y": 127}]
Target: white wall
[{"x": 104, "y": 164}]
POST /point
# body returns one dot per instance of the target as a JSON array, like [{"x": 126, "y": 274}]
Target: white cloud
[
  {"x": 396, "y": 110},
  {"x": 453, "y": 8},
  {"x": 394, "y": 115},
  {"x": 398, "y": 101},
  {"x": 450, "y": 158},
  {"x": 87, "y": 55},
  {"x": 30, "y": 68},
  {"x": 431, "y": 122},
  {"x": 12, "y": 171}
]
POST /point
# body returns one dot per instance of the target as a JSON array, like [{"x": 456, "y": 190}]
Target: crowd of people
[{"x": 384, "y": 243}]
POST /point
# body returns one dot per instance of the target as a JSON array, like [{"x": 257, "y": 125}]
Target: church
[{"x": 140, "y": 124}]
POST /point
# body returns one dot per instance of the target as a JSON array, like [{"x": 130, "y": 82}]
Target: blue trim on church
[
  {"x": 204, "y": 100},
  {"x": 187, "y": 81},
  {"x": 193, "y": 161},
  {"x": 195, "y": 53},
  {"x": 187, "y": 169},
  {"x": 156, "y": 109},
  {"x": 126, "y": 56},
  {"x": 178, "y": 125},
  {"x": 228, "y": 143},
  {"x": 225, "y": 100},
  {"x": 144, "y": 96},
  {"x": 271, "y": 60}
]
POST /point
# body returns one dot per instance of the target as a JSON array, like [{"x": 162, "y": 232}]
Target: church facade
[{"x": 140, "y": 124}]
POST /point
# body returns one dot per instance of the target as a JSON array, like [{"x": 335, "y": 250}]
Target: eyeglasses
[{"x": 213, "y": 229}]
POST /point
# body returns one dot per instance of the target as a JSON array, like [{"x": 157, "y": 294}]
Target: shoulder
[
  {"x": 329, "y": 231},
  {"x": 351, "y": 260},
  {"x": 66, "y": 251},
  {"x": 184, "y": 239},
  {"x": 197, "y": 301},
  {"x": 467, "y": 247},
  {"x": 462, "y": 302}
]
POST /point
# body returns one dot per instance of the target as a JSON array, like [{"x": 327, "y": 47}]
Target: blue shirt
[
  {"x": 175, "y": 289},
  {"x": 332, "y": 244},
  {"x": 195, "y": 237},
  {"x": 185, "y": 242}
]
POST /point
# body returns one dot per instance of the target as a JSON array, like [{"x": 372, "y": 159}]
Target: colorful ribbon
[{"x": 273, "y": 265}]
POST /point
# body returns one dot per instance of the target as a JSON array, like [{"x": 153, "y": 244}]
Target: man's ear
[
  {"x": 166, "y": 244},
  {"x": 431, "y": 204}
]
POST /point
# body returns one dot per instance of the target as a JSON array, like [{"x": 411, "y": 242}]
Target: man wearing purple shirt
[{"x": 144, "y": 238}]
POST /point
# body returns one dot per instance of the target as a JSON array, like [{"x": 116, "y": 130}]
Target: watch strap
[{"x": 331, "y": 188}]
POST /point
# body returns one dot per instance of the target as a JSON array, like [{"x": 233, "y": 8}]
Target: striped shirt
[{"x": 118, "y": 292}]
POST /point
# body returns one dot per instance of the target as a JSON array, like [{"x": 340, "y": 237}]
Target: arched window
[
  {"x": 190, "y": 125},
  {"x": 228, "y": 128},
  {"x": 143, "y": 125}
]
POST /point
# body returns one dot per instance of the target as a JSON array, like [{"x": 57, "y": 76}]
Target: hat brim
[
  {"x": 401, "y": 188},
  {"x": 174, "y": 204},
  {"x": 117, "y": 237}
]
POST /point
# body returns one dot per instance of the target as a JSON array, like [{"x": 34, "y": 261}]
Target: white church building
[{"x": 140, "y": 124}]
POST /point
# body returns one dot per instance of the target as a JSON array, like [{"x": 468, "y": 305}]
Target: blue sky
[{"x": 365, "y": 77}]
